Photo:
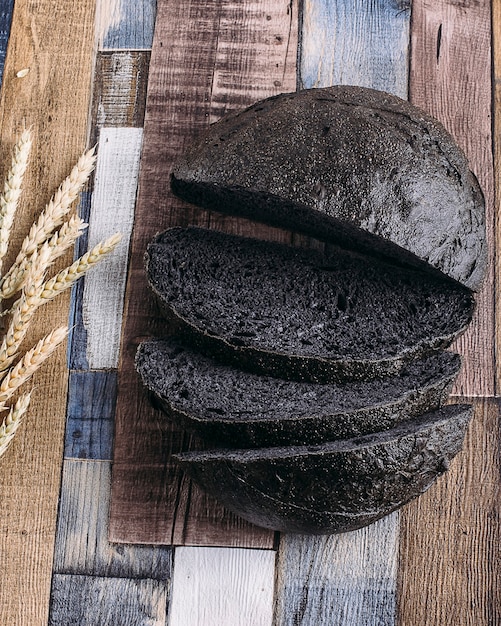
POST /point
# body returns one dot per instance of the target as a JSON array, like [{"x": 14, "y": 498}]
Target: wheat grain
[
  {"x": 50, "y": 219},
  {"x": 12, "y": 422},
  {"x": 9, "y": 198},
  {"x": 67, "y": 277},
  {"x": 30, "y": 362}
]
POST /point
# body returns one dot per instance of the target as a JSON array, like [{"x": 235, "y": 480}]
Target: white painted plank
[
  {"x": 339, "y": 580},
  {"x": 112, "y": 210},
  {"x": 222, "y": 587},
  {"x": 125, "y": 24}
]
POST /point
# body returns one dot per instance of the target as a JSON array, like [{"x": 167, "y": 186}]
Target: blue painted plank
[
  {"x": 82, "y": 545},
  {"x": 127, "y": 25},
  {"x": 90, "y": 413},
  {"x": 355, "y": 42},
  {"x": 91, "y": 601},
  {"x": 6, "y": 9}
]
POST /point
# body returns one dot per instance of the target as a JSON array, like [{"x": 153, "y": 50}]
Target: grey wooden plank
[
  {"x": 126, "y": 24},
  {"x": 82, "y": 545},
  {"x": 354, "y": 42},
  {"x": 95, "y": 601},
  {"x": 339, "y": 580},
  {"x": 90, "y": 413}
]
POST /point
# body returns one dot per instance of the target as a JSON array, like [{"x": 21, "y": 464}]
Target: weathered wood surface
[
  {"x": 450, "y": 78},
  {"x": 449, "y": 567},
  {"x": 92, "y": 601},
  {"x": 54, "y": 40},
  {"x": 206, "y": 59},
  {"x": 125, "y": 24},
  {"x": 496, "y": 43},
  {"x": 5, "y": 21},
  {"x": 222, "y": 587}
]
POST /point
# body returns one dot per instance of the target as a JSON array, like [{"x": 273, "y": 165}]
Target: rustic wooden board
[
  {"x": 496, "y": 43},
  {"x": 125, "y": 24},
  {"x": 112, "y": 210},
  {"x": 82, "y": 545},
  {"x": 90, "y": 415},
  {"x": 450, "y": 78},
  {"x": 206, "y": 59},
  {"x": 5, "y": 22},
  {"x": 370, "y": 43},
  {"x": 340, "y": 580},
  {"x": 90, "y": 600},
  {"x": 55, "y": 41},
  {"x": 450, "y": 564},
  {"x": 222, "y": 587}
]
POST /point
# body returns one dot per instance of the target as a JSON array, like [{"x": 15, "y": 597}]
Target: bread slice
[
  {"x": 351, "y": 165},
  {"x": 226, "y": 406},
  {"x": 299, "y": 314},
  {"x": 333, "y": 487}
]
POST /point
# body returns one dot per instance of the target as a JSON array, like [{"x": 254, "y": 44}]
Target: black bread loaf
[
  {"x": 299, "y": 314},
  {"x": 228, "y": 407},
  {"x": 333, "y": 487},
  {"x": 351, "y": 165}
]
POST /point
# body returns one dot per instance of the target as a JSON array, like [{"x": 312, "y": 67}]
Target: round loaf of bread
[{"x": 350, "y": 165}]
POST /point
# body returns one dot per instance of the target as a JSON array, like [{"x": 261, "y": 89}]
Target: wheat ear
[
  {"x": 51, "y": 218},
  {"x": 24, "y": 308},
  {"x": 30, "y": 362},
  {"x": 12, "y": 422},
  {"x": 12, "y": 190},
  {"x": 67, "y": 277}
]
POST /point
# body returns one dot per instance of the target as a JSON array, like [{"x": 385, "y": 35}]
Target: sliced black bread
[
  {"x": 351, "y": 165},
  {"x": 334, "y": 487},
  {"x": 299, "y": 314},
  {"x": 228, "y": 407}
]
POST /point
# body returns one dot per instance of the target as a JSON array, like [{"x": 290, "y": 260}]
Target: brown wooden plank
[
  {"x": 450, "y": 564},
  {"x": 207, "y": 58},
  {"x": 54, "y": 40},
  {"x": 451, "y": 78},
  {"x": 496, "y": 43}
]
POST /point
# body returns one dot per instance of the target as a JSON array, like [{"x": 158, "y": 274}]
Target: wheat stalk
[
  {"x": 9, "y": 198},
  {"x": 12, "y": 422},
  {"x": 49, "y": 220}
]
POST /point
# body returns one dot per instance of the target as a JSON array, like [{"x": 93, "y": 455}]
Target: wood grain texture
[
  {"x": 90, "y": 415},
  {"x": 5, "y": 22},
  {"x": 112, "y": 210},
  {"x": 450, "y": 78},
  {"x": 206, "y": 59},
  {"x": 82, "y": 545},
  {"x": 120, "y": 83},
  {"x": 89, "y": 601},
  {"x": 54, "y": 39},
  {"x": 339, "y": 580},
  {"x": 125, "y": 24},
  {"x": 222, "y": 587},
  {"x": 352, "y": 42},
  {"x": 450, "y": 564},
  {"x": 496, "y": 43}
]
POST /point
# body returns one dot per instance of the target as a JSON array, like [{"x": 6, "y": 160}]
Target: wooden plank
[
  {"x": 87, "y": 601},
  {"x": 450, "y": 78},
  {"x": 222, "y": 587},
  {"x": 206, "y": 59},
  {"x": 112, "y": 211},
  {"x": 90, "y": 415},
  {"x": 496, "y": 43},
  {"x": 120, "y": 83},
  {"x": 369, "y": 47},
  {"x": 125, "y": 24},
  {"x": 54, "y": 39},
  {"x": 5, "y": 22},
  {"x": 339, "y": 580},
  {"x": 346, "y": 43},
  {"x": 450, "y": 563},
  {"x": 82, "y": 545}
]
